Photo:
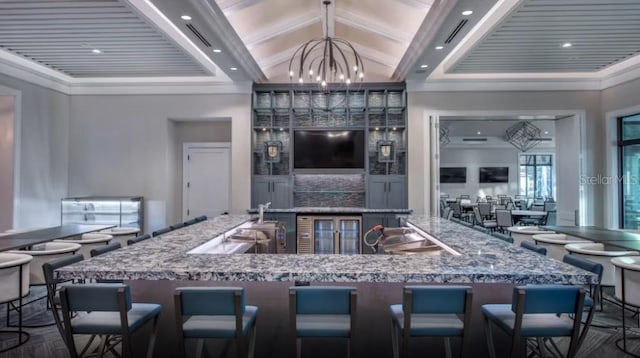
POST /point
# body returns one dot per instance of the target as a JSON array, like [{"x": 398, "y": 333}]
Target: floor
[{"x": 46, "y": 342}]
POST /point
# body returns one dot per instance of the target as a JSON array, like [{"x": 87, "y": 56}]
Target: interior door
[{"x": 207, "y": 180}]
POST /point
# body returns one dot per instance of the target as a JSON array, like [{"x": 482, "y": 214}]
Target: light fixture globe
[{"x": 326, "y": 60}]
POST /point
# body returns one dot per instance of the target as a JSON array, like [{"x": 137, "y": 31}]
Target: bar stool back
[
  {"x": 215, "y": 312},
  {"x": 596, "y": 252},
  {"x": 432, "y": 311},
  {"x": 322, "y": 311},
  {"x": 42, "y": 253}
]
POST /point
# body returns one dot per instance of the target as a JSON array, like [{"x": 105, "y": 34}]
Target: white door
[{"x": 206, "y": 179}]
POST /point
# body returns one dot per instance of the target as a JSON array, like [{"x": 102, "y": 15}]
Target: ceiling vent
[
  {"x": 455, "y": 31},
  {"x": 474, "y": 139},
  {"x": 198, "y": 35}
]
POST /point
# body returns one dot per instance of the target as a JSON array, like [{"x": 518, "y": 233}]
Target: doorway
[{"x": 206, "y": 179}]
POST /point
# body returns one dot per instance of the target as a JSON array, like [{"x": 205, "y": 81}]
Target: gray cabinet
[
  {"x": 273, "y": 189},
  {"x": 387, "y": 192}
]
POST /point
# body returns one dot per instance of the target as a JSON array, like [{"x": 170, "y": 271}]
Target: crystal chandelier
[
  {"x": 523, "y": 135},
  {"x": 444, "y": 135},
  {"x": 326, "y": 60}
]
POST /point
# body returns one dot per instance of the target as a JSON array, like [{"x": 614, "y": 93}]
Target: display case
[{"x": 125, "y": 211}]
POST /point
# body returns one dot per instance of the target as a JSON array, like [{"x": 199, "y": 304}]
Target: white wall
[
  {"x": 7, "y": 109},
  {"x": 473, "y": 159},
  {"x": 126, "y": 145},
  {"x": 43, "y": 123},
  {"x": 420, "y": 104}
]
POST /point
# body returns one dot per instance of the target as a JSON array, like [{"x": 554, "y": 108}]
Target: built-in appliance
[
  {"x": 328, "y": 149},
  {"x": 329, "y": 234}
]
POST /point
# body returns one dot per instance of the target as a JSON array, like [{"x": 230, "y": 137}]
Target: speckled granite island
[
  {"x": 154, "y": 268},
  {"x": 483, "y": 259}
]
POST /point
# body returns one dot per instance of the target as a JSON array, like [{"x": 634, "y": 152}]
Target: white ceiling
[{"x": 147, "y": 42}]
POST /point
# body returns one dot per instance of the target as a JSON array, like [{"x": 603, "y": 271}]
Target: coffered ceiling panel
[
  {"x": 558, "y": 36},
  {"x": 90, "y": 38}
]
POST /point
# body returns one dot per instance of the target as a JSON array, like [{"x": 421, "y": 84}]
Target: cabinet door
[
  {"x": 396, "y": 192},
  {"x": 261, "y": 191},
  {"x": 349, "y": 236},
  {"x": 377, "y": 191},
  {"x": 280, "y": 193}
]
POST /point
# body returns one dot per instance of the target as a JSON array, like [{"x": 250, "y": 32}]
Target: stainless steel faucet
[{"x": 261, "y": 208}]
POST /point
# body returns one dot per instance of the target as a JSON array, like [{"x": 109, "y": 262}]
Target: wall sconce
[
  {"x": 272, "y": 150},
  {"x": 386, "y": 151}
]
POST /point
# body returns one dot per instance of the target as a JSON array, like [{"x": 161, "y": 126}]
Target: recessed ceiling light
[
  {"x": 186, "y": 17},
  {"x": 96, "y": 50},
  {"x": 233, "y": 68},
  {"x": 467, "y": 12},
  {"x": 546, "y": 132},
  {"x": 478, "y": 132},
  {"x": 566, "y": 44},
  {"x": 424, "y": 66},
  {"x": 439, "y": 47},
  {"x": 217, "y": 50}
]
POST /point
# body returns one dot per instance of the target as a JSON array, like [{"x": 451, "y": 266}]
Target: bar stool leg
[
  {"x": 394, "y": 340},
  {"x": 298, "y": 347},
  {"x": 447, "y": 347},
  {"x": 492, "y": 350},
  {"x": 199, "y": 347}
]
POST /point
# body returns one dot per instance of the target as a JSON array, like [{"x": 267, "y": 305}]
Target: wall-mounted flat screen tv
[
  {"x": 453, "y": 175},
  {"x": 494, "y": 175},
  {"x": 328, "y": 149}
]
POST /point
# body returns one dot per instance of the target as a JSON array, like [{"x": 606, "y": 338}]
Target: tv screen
[
  {"x": 453, "y": 175},
  {"x": 328, "y": 149},
  {"x": 494, "y": 175}
]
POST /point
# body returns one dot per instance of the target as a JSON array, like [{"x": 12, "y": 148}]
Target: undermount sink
[
  {"x": 410, "y": 241},
  {"x": 250, "y": 237}
]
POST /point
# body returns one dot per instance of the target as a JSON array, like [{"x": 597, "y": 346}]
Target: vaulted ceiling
[{"x": 227, "y": 41}]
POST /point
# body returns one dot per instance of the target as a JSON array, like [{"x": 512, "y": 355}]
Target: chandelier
[
  {"x": 523, "y": 135},
  {"x": 444, "y": 135},
  {"x": 326, "y": 60}
]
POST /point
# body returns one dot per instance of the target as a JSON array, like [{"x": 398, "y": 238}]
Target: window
[
  {"x": 536, "y": 176},
  {"x": 629, "y": 164}
]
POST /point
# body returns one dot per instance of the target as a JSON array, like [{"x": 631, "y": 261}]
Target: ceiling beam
[
  {"x": 418, "y": 4},
  {"x": 372, "y": 26},
  {"x": 282, "y": 28},
  {"x": 228, "y": 7}
]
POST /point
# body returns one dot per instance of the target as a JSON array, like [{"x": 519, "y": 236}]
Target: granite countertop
[
  {"x": 483, "y": 259},
  {"x": 332, "y": 210}
]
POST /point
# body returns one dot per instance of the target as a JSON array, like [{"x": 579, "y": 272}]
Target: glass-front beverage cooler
[
  {"x": 329, "y": 234},
  {"x": 124, "y": 211}
]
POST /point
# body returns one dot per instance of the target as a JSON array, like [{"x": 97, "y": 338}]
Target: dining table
[{"x": 33, "y": 237}]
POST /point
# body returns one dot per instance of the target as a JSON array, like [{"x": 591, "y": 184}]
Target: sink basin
[
  {"x": 250, "y": 235},
  {"x": 411, "y": 241}
]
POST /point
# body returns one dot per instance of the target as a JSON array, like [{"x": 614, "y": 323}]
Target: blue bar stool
[
  {"x": 431, "y": 311},
  {"x": 321, "y": 311},
  {"x": 529, "y": 245},
  {"x": 215, "y": 312},
  {"x": 109, "y": 312},
  {"x": 534, "y": 314}
]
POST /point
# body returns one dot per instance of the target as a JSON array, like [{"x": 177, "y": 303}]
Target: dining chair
[
  {"x": 215, "y": 312},
  {"x": 503, "y": 219},
  {"x": 432, "y": 311}
]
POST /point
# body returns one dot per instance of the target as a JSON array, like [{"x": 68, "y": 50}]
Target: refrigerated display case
[
  {"x": 329, "y": 234},
  {"x": 123, "y": 211}
]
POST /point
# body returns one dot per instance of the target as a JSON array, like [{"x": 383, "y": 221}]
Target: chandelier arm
[
  {"x": 301, "y": 48},
  {"x": 324, "y": 56},
  {"x": 306, "y": 52},
  {"x": 346, "y": 61},
  {"x": 357, "y": 57}
]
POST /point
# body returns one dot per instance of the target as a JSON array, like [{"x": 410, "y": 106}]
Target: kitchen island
[{"x": 155, "y": 267}]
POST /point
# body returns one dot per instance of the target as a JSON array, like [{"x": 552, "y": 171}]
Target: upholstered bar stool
[
  {"x": 522, "y": 233},
  {"x": 596, "y": 252},
  {"x": 42, "y": 253},
  {"x": 215, "y": 312},
  {"x": 14, "y": 286},
  {"x": 432, "y": 311},
  {"x": 554, "y": 243},
  {"x": 122, "y": 234},
  {"x": 89, "y": 242},
  {"x": 322, "y": 311},
  {"x": 627, "y": 276}
]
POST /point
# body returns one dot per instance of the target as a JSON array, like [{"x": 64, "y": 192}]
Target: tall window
[
  {"x": 536, "y": 176},
  {"x": 629, "y": 154}
]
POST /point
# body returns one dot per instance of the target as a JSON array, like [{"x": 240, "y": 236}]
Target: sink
[
  {"x": 250, "y": 237},
  {"x": 411, "y": 241}
]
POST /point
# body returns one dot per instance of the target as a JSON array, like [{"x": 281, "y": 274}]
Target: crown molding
[
  {"x": 467, "y": 85},
  {"x": 196, "y": 86}
]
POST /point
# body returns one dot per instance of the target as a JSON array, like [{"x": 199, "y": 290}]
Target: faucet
[{"x": 261, "y": 208}]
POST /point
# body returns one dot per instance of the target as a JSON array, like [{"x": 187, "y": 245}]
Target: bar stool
[
  {"x": 42, "y": 253},
  {"x": 432, "y": 311},
  {"x": 596, "y": 252},
  {"x": 109, "y": 312},
  {"x": 627, "y": 275},
  {"x": 554, "y": 243},
  {"x": 215, "y": 312},
  {"x": 14, "y": 286},
  {"x": 104, "y": 249},
  {"x": 534, "y": 314},
  {"x": 322, "y": 311},
  {"x": 89, "y": 242},
  {"x": 162, "y": 231},
  {"x": 122, "y": 234},
  {"x": 138, "y": 239},
  {"x": 521, "y": 233},
  {"x": 532, "y": 247}
]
